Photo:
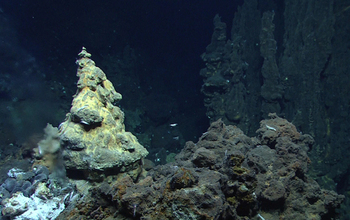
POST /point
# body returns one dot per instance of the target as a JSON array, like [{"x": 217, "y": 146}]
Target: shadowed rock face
[
  {"x": 225, "y": 175},
  {"x": 93, "y": 135}
]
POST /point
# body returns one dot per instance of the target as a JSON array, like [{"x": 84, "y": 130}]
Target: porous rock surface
[
  {"x": 93, "y": 135},
  {"x": 225, "y": 175}
]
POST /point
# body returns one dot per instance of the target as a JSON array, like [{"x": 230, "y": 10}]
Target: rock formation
[
  {"x": 231, "y": 76},
  {"x": 225, "y": 175},
  {"x": 93, "y": 135}
]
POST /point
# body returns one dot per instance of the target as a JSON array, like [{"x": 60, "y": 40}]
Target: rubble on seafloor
[
  {"x": 34, "y": 194},
  {"x": 225, "y": 175}
]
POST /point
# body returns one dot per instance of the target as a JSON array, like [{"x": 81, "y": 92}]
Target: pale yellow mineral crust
[{"x": 93, "y": 134}]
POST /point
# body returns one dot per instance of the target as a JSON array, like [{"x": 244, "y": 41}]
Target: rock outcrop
[
  {"x": 225, "y": 175},
  {"x": 93, "y": 135}
]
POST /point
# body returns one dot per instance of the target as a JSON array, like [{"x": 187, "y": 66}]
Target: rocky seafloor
[
  {"x": 225, "y": 175},
  {"x": 91, "y": 168}
]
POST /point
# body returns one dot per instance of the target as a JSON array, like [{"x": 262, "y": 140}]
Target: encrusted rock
[
  {"x": 225, "y": 175},
  {"x": 93, "y": 135},
  {"x": 16, "y": 205}
]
